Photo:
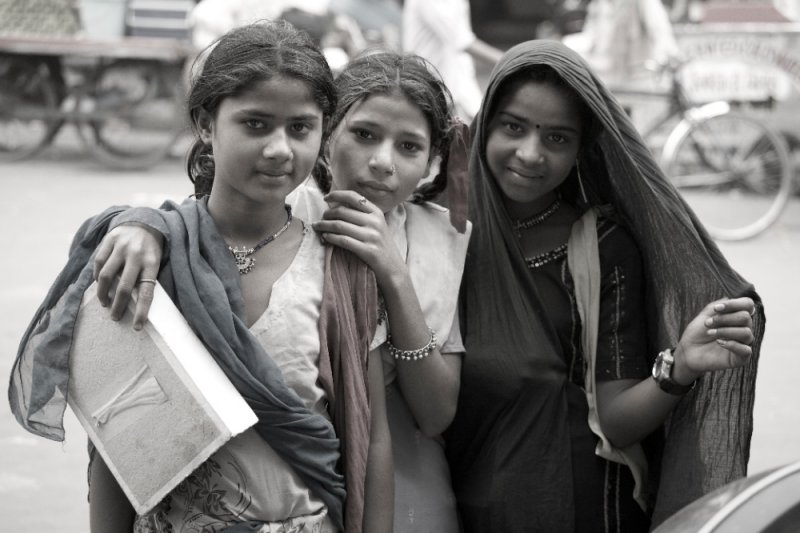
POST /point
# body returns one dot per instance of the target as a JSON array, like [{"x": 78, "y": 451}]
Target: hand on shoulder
[{"x": 129, "y": 253}]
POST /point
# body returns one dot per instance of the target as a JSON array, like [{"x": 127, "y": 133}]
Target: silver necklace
[
  {"x": 245, "y": 261},
  {"x": 536, "y": 219}
]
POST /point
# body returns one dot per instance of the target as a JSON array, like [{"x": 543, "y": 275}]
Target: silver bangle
[{"x": 412, "y": 355}]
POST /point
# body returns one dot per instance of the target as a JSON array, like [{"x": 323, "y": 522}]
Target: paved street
[{"x": 43, "y": 483}]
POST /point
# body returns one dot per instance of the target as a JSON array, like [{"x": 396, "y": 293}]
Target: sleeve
[
  {"x": 143, "y": 216},
  {"x": 449, "y": 20},
  {"x": 454, "y": 343},
  {"x": 381, "y": 334},
  {"x": 622, "y": 331}
]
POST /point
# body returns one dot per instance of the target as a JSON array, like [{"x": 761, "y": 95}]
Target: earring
[
  {"x": 580, "y": 182},
  {"x": 392, "y": 170}
]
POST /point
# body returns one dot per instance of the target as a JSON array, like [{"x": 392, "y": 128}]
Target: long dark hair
[
  {"x": 244, "y": 56},
  {"x": 383, "y": 72}
]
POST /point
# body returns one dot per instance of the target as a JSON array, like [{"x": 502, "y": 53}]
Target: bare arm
[
  {"x": 109, "y": 508},
  {"x": 379, "y": 485},
  {"x": 718, "y": 338},
  {"x": 429, "y": 385}
]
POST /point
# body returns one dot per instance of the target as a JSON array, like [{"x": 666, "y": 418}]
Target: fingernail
[
  {"x": 137, "y": 327},
  {"x": 712, "y": 332},
  {"x": 709, "y": 322},
  {"x": 719, "y": 307},
  {"x": 721, "y": 342}
]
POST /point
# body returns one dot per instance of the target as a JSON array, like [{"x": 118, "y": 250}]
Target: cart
[{"x": 124, "y": 95}]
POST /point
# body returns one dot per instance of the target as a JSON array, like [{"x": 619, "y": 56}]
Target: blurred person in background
[
  {"x": 441, "y": 32},
  {"x": 620, "y": 36},
  {"x": 379, "y": 20},
  {"x": 212, "y": 18},
  {"x": 332, "y": 29}
]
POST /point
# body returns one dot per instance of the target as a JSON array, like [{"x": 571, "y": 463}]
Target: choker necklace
[
  {"x": 536, "y": 219},
  {"x": 243, "y": 257}
]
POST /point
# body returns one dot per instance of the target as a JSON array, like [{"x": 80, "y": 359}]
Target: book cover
[{"x": 153, "y": 402}]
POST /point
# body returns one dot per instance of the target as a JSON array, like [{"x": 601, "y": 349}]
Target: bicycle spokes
[{"x": 734, "y": 172}]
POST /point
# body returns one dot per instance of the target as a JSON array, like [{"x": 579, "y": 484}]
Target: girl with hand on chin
[
  {"x": 253, "y": 282},
  {"x": 395, "y": 120},
  {"x": 587, "y": 273}
]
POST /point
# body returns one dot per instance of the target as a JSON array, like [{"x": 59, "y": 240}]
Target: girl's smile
[
  {"x": 532, "y": 143},
  {"x": 265, "y": 140}
]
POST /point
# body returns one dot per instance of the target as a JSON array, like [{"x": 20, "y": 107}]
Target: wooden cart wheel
[
  {"x": 30, "y": 94},
  {"x": 134, "y": 113}
]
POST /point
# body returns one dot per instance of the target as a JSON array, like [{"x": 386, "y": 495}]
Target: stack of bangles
[{"x": 412, "y": 355}]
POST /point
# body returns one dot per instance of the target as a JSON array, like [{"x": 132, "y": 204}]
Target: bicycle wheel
[
  {"x": 134, "y": 113},
  {"x": 29, "y": 100},
  {"x": 734, "y": 172}
]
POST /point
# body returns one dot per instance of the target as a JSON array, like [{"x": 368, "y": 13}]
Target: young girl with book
[
  {"x": 254, "y": 283},
  {"x": 394, "y": 122}
]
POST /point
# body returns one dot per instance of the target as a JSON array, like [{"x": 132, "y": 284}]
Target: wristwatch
[{"x": 662, "y": 373}]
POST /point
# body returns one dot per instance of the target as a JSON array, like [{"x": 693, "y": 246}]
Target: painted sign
[{"x": 755, "y": 65}]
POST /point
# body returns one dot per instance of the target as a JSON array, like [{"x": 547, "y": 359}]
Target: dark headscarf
[{"x": 708, "y": 434}]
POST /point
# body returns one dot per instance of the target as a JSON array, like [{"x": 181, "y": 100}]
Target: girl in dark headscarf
[{"x": 584, "y": 267}]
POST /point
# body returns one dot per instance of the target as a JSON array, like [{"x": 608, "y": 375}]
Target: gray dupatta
[{"x": 204, "y": 284}]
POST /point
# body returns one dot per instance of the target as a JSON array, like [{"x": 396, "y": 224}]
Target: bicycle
[
  {"x": 125, "y": 102},
  {"x": 733, "y": 169}
]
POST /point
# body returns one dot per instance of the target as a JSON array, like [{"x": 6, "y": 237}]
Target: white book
[{"x": 154, "y": 402}]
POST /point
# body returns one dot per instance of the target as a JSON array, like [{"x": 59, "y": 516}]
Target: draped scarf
[
  {"x": 707, "y": 436},
  {"x": 204, "y": 284},
  {"x": 348, "y": 318}
]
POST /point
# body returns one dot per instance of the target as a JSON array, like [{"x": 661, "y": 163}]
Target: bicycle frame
[
  {"x": 691, "y": 117},
  {"x": 678, "y": 104}
]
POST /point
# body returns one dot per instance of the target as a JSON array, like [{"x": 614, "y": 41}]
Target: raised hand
[
  {"x": 718, "y": 338},
  {"x": 354, "y": 223}
]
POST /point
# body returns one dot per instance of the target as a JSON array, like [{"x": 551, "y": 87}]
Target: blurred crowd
[{"x": 616, "y": 36}]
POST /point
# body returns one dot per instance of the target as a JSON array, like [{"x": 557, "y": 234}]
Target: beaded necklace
[
  {"x": 546, "y": 257},
  {"x": 536, "y": 219},
  {"x": 243, "y": 257}
]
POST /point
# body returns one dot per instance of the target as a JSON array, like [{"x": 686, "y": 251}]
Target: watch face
[
  {"x": 662, "y": 368},
  {"x": 662, "y": 373},
  {"x": 657, "y": 365}
]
